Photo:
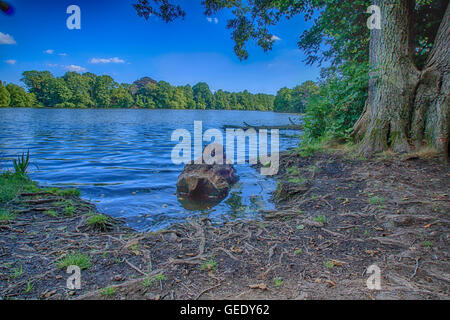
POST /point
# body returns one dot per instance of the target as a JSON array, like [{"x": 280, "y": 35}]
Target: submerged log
[{"x": 204, "y": 185}]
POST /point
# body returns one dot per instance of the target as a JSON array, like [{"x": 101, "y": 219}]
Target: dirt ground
[{"x": 335, "y": 217}]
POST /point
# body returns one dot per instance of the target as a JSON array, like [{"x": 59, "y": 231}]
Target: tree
[
  {"x": 283, "y": 100},
  {"x": 407, "y": 107},
  {"x": 221, "y": 100},
  {"x": 203, "y": 96},
  {"x": 19, "y": 97},
  {"x": 4, "y": 96},
  {"x": 80, "y": 86},
  {"x": 34, "y": 80},
  {"x": 121, "y": 97},
  {"x": 54, "y": 92},
  {"x": 102, "y": 90}
]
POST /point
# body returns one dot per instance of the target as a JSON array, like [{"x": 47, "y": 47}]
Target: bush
[{"x": 332, "y": 113}]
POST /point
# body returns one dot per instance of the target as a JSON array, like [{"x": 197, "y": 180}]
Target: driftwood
[
  {"x": 292, "y": 126},
  {"x": 203, "y": 185}
]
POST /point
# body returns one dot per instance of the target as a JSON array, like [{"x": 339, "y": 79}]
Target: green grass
[
  {"x": 6, "y": 216},
  {"x": 17, "y": 272},
  {"x": 75, "y": 259},
  {"x": 329, "y": 264},
  {"x": 98, "y": 221},
  {"x": 306, "y": 150},
  {"x": 293, "y": 171},
  {"x": 52, "y": 213},
  {"x": 108, "y": 292},
  {"x": 211, "y": 264},
  {"x": 298, "y": 252},
  {"x": 12, "y": 184},
  {"x": 376, "y": 200},
  {"x": 148, "y": 281},
  {"x": 297, "y": 180},
  {"x": 278, "y": 282},
  {"x": 69, "y": 208},
  {"x": 29, "y": 286},
  {"x": 63, "y": 192},
  {"x": 321, "y": 219},
  {"x": 428, "y": 244}
]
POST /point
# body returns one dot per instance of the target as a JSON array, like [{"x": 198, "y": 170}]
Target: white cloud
[
  {"x": 75, "y": 68},
  {"x": 11, "y": 61},
  {"x": 6, "y": 39},
  {"x": 62, "y": 54},
  {"x": 212, "y": 20},
  {"x": 275, "y": 38},
  {"x": 49, "y": 51},
  {"x": 110, "y": 60}
]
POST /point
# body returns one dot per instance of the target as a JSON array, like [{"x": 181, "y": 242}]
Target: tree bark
[{"x": 405, "y": 106}]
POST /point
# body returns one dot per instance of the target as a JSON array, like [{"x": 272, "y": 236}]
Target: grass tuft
[
  {"x": 98, "y": 222},
  {"x": 75, "y": 259}
]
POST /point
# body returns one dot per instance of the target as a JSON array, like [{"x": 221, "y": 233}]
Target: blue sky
[{"x": 114, "y": 40}]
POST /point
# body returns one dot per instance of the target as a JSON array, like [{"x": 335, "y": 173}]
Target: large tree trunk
[{"x": 405, "y": 105}]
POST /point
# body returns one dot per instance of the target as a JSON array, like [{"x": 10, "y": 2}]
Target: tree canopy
[{"x": 74, "y": 90}]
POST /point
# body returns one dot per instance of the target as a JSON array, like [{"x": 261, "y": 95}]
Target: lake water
[{"x": 121, "y": 159}]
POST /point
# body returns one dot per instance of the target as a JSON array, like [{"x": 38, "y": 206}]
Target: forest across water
[{"x": 74, "y": 90}]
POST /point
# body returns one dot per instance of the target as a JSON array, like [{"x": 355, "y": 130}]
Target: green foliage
[
  {"x": 148, "y": 281},
  {"x": 307, "y": 149},
  {"x": 293, "y": 171},
  {"x": 63, "y": 192},
  {"x": 6, "y": 216},
  {"x": 21, "y": 164},
  {"x": 51, "y": 213},
  {"x": 74, "y": 90},
  {"x": 12, "y": 184},
  {"x": 209, "y": 265},
  {"x": 19, "y": 97},
  {"x": 4, "y": 96},
  {"x": 296, "y": 99},
  {"x": 320, "y": 219},
  {"x": 108, "y": 292},
  {"x": 376, "y": 200},
  {"x": 297, "y": 180},
  {"x": 278, "y": 282},
  {"x": 17, "y": 272},
  {"x": 98, "y": 221},
  {"x": 333, "y": 112},
  {"x": 75, "y": 259}
]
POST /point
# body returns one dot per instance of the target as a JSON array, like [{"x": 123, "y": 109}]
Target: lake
[{"x": 120, "y": 159}]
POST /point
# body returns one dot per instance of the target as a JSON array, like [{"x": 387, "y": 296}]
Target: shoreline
[{"x": 335, "y": 216}]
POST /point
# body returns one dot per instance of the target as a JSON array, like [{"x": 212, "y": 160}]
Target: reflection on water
[{"x": 121, "y": 159}]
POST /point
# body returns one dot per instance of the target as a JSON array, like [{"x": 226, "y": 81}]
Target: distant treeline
[{"x": 74, "y": 90}]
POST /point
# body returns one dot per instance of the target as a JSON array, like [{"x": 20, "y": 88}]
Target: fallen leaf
[
  {"x": 260, "y": 286},
  {"x": 237, "y": 250},
  {"x": 331, "y": 283}
]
